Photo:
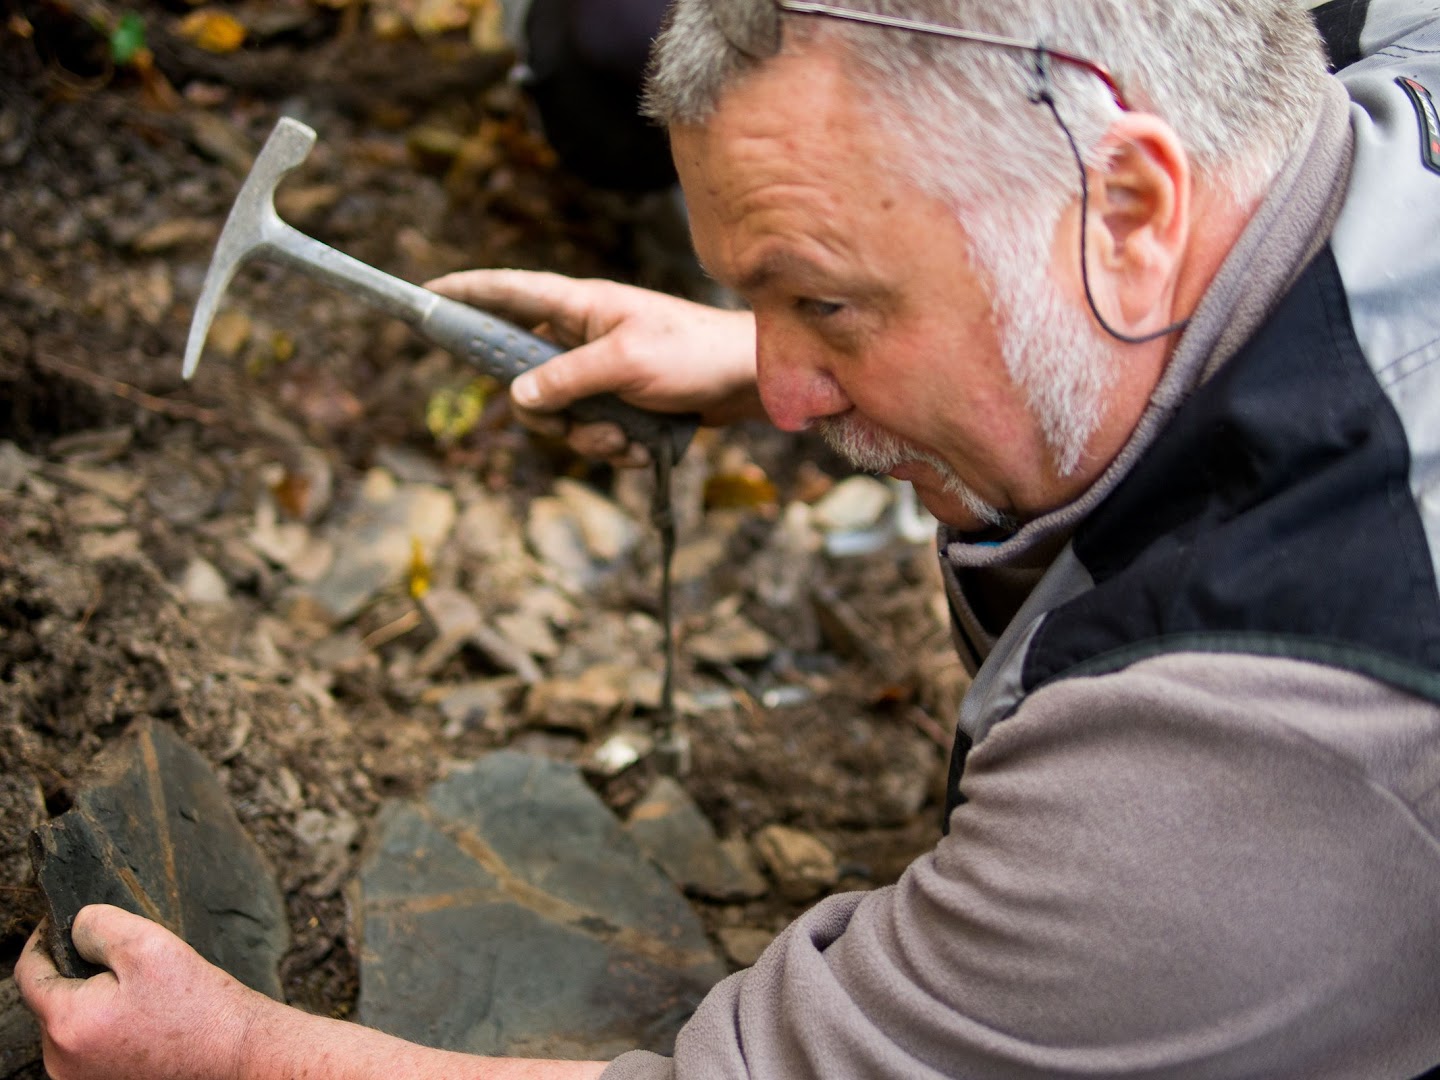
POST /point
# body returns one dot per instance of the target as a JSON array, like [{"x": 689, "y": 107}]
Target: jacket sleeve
[{"x": 1202, "y": 866}]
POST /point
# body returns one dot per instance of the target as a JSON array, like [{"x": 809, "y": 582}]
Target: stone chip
[
  {"x": 802, "y": 865},
  {"x": 670, "y": 828}
]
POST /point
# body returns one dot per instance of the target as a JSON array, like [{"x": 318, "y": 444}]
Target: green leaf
[{"x": 128, "y": 38}]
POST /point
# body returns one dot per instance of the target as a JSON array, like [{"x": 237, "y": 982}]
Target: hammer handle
[{"x": 504, "y": 351}]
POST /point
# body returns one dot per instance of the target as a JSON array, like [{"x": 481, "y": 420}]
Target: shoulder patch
[{"x": 1429, "y": 121}]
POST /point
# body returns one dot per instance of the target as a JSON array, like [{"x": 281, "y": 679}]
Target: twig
[
  {"x": 90, "y": 609},
  {"x": 929, "y": 727},
  {"x": 392, "y": 630},
  {"x": 181, "y": 409}
]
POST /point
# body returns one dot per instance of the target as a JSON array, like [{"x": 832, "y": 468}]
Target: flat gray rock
[
  {"x": 153, "y": 832},
  {"x": 511, "y": 914}
]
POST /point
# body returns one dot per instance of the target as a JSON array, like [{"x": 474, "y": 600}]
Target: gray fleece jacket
[{"x": 1194, "y": 827}]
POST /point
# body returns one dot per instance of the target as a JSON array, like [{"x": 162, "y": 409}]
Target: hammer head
[{"x": 251, "y": 224}]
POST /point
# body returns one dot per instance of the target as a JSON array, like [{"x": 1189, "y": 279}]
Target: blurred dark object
[{"x": 587, "y": 66}]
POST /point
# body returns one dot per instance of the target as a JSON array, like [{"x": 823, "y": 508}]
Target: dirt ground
[{"x": 114, "y": 180}]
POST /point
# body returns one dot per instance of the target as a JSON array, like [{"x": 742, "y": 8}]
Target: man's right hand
[{"x": 655, "y": 351}]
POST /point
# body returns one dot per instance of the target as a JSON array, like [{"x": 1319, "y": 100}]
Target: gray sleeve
[{"x": 1202, "y": 866}]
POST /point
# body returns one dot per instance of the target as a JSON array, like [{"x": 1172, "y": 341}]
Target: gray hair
[{"x": 1236, "y": 79}]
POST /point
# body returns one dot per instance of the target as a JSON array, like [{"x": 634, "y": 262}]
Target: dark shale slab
[
  {"x": 154, "y": 833},
  {"x": 511, "y": 914}
]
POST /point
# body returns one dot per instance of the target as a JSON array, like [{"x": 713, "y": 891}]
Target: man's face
[{"x": 870, "y": 319}]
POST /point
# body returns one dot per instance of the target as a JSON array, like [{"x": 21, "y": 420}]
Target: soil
[{"x": 114, "y": 180}]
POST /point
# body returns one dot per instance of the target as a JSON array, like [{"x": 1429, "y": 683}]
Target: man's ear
[{"x": 1138, "y": 221}]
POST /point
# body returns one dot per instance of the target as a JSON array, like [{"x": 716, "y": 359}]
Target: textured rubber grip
[{"x": 503, "y": 351}]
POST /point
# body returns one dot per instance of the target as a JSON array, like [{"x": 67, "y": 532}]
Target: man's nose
[{"x": 796, "y": 385}]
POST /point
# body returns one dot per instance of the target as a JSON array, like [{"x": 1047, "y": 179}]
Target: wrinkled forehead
[
  {"x": 823, "y": 116},
  {"x": 805, "y": 103},
  {"x": 789, "y": 161}
]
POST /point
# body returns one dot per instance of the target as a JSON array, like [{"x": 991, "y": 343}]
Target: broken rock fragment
[
  {"x": 202, "y": 584},
  {"x": 670, "y": 828},
  {"x": 375, "y": 542},
  {"x": 744, "y": 944},
  {"x": 579, "y": 534},
  {"x": 580, "y": 704},
  {"x": 802, "y": 865},
  {"x": 555, "y": 536},
  {"x": 15, "y": 466},
  {"x": 481, "y": 704},
  {"x": 619, "y": 752},
  {"x": 154, "y": 833},
  {"x": 608, "y": 531},
  {"x": 455, "y": 619},
  {"x": 730, "y": 639},
  {"x": 857, "y": 502}
]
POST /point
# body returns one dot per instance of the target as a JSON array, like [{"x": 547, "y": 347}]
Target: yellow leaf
[
  {"x": 213, "y": 30},
  {"x": 450, "y": 414},
  {"x": 420, "y": 570}
]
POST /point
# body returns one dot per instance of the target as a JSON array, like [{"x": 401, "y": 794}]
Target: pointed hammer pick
[{"x": 498, "y": 348}]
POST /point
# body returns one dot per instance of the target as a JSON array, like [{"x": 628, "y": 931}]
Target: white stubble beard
[
  {"x": 873, "y": 449},
  {"x": 1054, "y": 350},
  {"x": 1050, "y": 349}
]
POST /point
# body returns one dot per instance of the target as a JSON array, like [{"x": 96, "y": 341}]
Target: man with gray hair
[{"x": 1135, "y": 295}]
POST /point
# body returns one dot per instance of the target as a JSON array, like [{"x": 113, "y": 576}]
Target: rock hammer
[{"x": 498, "y": 348}]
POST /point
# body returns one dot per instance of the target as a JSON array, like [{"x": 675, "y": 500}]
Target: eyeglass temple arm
[{"x": 805, "y": 7}]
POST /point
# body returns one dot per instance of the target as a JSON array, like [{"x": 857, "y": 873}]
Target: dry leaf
[
  {"x": 439, "y": 16},
  {"x": 744, "y": 490},
  {"x": 292, "y": 493},
  {"x": 212, "y": 30},
  {"x": 487, "y": 27}
]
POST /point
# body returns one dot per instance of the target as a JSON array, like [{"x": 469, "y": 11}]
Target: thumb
[
  {"x": 42, "y": 988},
  {"x": 103, "y": 934},
  {"x": 582, "y": 372}
]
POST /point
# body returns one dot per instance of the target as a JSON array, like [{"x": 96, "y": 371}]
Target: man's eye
[{"x": 818, "y": 309}]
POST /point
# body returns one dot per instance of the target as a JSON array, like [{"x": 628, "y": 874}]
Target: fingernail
[{"x": 525, "y": 392}]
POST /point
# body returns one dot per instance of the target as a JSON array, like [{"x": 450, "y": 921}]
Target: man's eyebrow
[
  {"x": 774, "y": 265},
  {"x": 758, "y": 276}
]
